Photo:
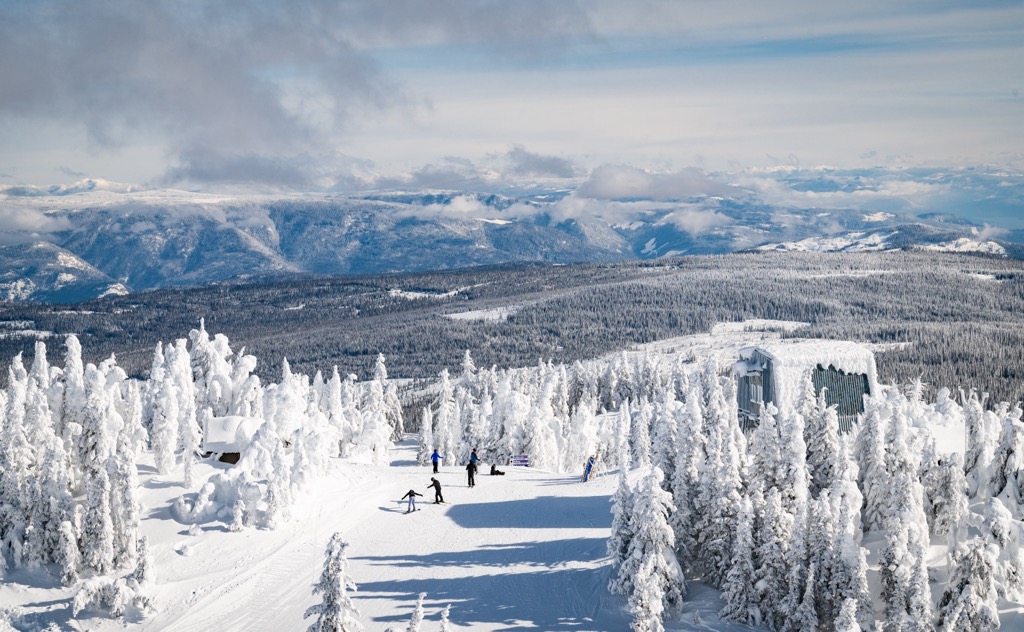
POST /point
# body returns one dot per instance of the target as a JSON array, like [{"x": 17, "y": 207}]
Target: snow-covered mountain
[
  {"x": 149, "y": 238},
  {"x": 41, "y": 271},
  {"x": 893, "y": 238}
]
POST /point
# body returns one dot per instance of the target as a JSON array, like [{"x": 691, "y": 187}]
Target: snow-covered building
[
  {"x": 772, "y": 372},
  {"x": 229, "y": 436}
]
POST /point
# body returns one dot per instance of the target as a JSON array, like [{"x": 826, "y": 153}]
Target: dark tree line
[{"x": 954, "y": 320}]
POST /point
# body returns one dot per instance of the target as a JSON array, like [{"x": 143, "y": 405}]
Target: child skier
[{"x": 411, "y": 495}]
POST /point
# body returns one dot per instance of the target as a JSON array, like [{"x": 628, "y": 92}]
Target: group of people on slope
[{"x": 435, "y": 459}]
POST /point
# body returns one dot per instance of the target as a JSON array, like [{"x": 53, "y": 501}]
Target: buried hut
[
  {"x": 771, "y": 373},
  {"x": 227, "y": 437}
]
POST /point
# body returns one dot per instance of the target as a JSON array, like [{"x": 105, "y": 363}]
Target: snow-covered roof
[
  {"x": 792, "y": 358},
  {"x": 229, "y": 434}
]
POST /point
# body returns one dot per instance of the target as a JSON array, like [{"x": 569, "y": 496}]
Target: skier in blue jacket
[{"x": 434, "y": 458}]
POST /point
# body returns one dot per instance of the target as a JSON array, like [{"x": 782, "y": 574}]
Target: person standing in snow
[
  {"x": 438, "y": 498},
  {"x": 435, "y": 457},
  {"x": 411, "y": 495},
  {"x": 471, "y": 473},
  {"x": 472, "y": 457}
]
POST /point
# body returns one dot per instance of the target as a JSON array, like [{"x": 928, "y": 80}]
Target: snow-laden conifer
[
  {"x": 869, "y": 453},
  {"x": 772, "y": 542},
  {"x": 445, "y": 625},
  {"x": 125, "y": 512},
  {"x": 949, "y": 502},
  {"x": 650, "y": 555},
  {"x": 847, "y": 619},
  {"x": 1007, "y": 469},
  {"x": 765, "y": 451},
  {"x": 164, "y": 413},
  {"x": 417, "y": 613},
  {"x": 622, "y": 532},
  {"x": 719, "y": 497},
  {"x": 821, "y": 435},
  {"x": 970, "y": 600},
  {"x": 665, "y": 437},
  {"x": 742, "y": 602},
  {"x": 337, "y": 612},
  {"x": 1002, "y": 530},
  {"x": 805, "y": 618},
  {"x": 426, "y": 441},
  {"x": 982, "y": 437},
  {"x": 641, "y": 439},
  {"x": 446, "y": 434},
  {"x": 73, "y": 396}
]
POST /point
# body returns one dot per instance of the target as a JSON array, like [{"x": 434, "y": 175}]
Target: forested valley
[{"x": 952, "y": 320}]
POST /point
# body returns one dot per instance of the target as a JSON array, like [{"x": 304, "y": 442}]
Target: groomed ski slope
[{"x": 524, "y": 551}]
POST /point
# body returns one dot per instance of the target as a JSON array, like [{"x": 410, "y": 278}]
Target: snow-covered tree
[
  {"x": 870, "y": 455},
  {"x": 772, "y": 541},
  {"x": 970, "y": 601},
  {"x": 445, "y": 420},
  {"x": 982, "y": 437},
  {"x": 1007, "y": 469},
  {"x": 821, "y": 434},
  {"x": 337, "y": 612},
  {"x": 417, "y": 614},
  {"x": 658, "y": 582},
  {"x": 719, "y": 496},
  {"x": 742, "y": 603},
  {"x": 445, "y": 625},
  {"x": 847, "y": 619},
  {"x": 426, "y": 436},
  {"x": 164, "y": 413},
  {"x": 622, "y": 532},
  {"x": 665, "y": 437}
]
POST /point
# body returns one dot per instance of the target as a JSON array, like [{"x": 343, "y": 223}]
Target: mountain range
[{"x": 98, "y": 238}]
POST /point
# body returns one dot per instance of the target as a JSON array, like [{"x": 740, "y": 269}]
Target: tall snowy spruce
[
  {"x": 337, "y": 612},
  {"x": 622, "y": 533},
  {"x": 742, "y": 603},
  {"x": 719, "y": 496},
  {"x": 982, "y": 436},
  {"x": 821, "y": 435},
  {"x": 902, "y": 560},
  {"x": 659, "y": 584},
  {"x": 869, "y": 452}
]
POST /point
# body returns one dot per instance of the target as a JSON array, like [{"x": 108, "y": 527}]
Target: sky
[{"x": 349, "y": 95}]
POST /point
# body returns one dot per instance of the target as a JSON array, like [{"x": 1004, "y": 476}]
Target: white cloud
[
  {"x": 696, "y": 221},
  {"x": 616, "y": 182}
]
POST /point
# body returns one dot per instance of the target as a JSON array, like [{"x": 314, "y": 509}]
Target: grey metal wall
[{"x": 846, "y": 391}]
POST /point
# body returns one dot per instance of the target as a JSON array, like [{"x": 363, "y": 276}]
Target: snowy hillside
[{"x": 111, "y": 520}]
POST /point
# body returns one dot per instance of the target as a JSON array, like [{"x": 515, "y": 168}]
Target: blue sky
[{"x": 342, "y": 96}]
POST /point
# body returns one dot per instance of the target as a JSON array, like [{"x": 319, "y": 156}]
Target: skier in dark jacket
[
  {"x": 471, "y": 473},
  {"x": 438, "y": 498},
  {"x": 435, "y": 457},
  {"x": 411, "y": 495}
]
